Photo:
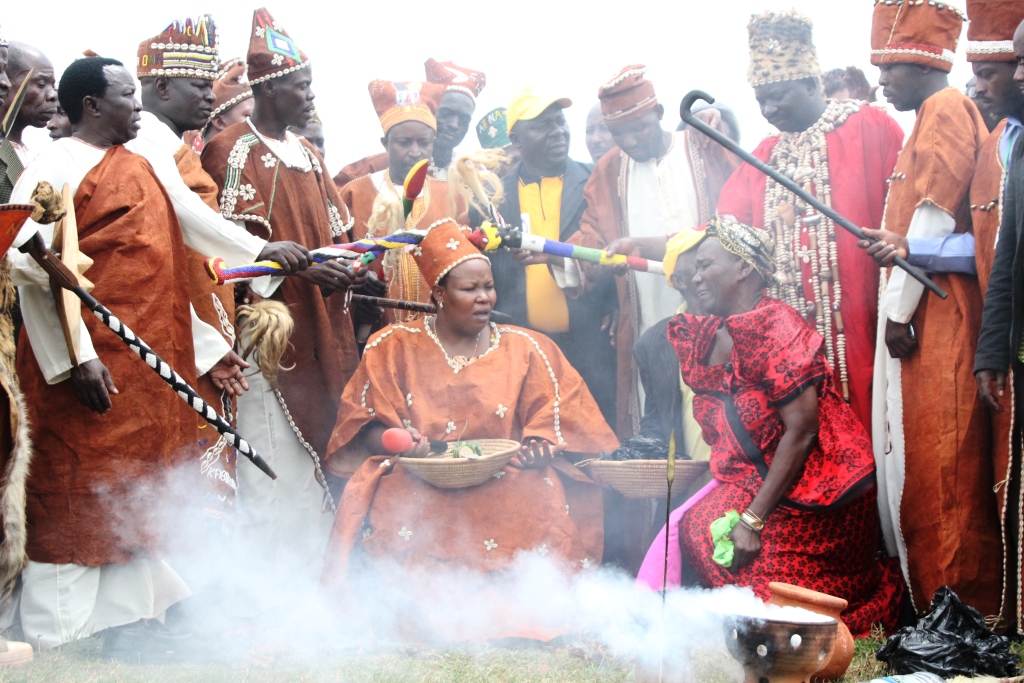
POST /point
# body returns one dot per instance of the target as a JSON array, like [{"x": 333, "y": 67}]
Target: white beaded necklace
[
  {"x": 461, "y": 362},
  {"x": 804, "y": 158}
]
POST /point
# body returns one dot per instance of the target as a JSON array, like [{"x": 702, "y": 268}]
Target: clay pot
[
  {"x": 787, "y": 595},
  {"x": 779, "y": 651}
]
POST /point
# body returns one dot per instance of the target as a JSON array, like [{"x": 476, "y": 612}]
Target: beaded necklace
[
  {"x": 804, "y": 237},
  {"x": 461, "y": 362}
]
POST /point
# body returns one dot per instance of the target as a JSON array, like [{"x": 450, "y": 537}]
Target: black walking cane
[{"x": 689, "y": 117}]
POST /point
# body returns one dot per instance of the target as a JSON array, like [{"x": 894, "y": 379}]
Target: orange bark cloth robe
[
  {"x": 522, "y": 387},
  {"x": 215, "y": 305},
  {"x": 986, "y": 214},
  {"x": 357, "y": 169},
  {"x": 298, "y": 203},
  {"x": 932, "y": 433},
  {"x": 403, "y": 277},
  {"x": 607, "y": 219},
  {"x": 862, "y": 152}
]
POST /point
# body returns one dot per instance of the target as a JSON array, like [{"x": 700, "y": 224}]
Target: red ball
[{"x": 396, "y": 440}]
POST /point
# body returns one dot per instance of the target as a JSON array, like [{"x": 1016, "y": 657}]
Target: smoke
[{"x": 248, "y": 596}]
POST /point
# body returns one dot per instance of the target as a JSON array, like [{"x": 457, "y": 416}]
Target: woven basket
[
  {"x": 460, "y": 473},
  {"x": 646, "y": 478}
]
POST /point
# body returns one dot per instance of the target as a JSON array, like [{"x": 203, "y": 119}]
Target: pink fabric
[{"x": 652, "y": 572}]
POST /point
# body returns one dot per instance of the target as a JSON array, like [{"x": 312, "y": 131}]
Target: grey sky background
[{"x": 564, "y": 48}]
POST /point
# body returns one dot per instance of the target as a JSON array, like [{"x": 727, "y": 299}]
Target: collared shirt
[
  {"x": 540, "y": 206},
  {"x": 1006, "y": 142}
]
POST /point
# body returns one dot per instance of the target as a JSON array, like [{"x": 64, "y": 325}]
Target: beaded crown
[
  {"x": 915, "y": 32},
  {"x": 231, "y": 86},
  {"x": 444, "y": 248},
  {"x": 396, "y": 102},
  {"x": 272, "y": 52},
  {"x": 781, "y": 48},
  {"x": 991, "y": 28},
  {"x": 184, "y": 49},
  {"x": 455, "y": 78}
]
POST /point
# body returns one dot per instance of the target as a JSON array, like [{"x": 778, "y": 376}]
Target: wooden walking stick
[{"x": 837, "y": 218}]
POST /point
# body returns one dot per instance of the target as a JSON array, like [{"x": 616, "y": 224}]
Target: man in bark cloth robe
[
  {"x": 931, "y": 430},
  {"x": 653, "y": 183},
  {"x": 275, "y": 184},
  {"x": 407, "y": 117},
  {"x": 117, "y": 446},
  {"x": 990, "y": 34},
  {"x": 176, "y": 69},
  {"x": 843, "y": 153},
  {"x": 454, "y": 116}
]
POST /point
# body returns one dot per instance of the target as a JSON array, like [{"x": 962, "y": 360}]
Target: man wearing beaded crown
[
  {"x": 653, "y": 183},
  {"x": 843, "y": 153},
  {"x": 932, "y": 433},
  {"x": 275, "y": 184},
  {"x": 233, "y": 98},
  {"x": 407, "y": 113}
]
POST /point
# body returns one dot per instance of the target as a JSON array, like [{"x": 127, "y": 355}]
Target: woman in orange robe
[{"x": 457, "y": 376}]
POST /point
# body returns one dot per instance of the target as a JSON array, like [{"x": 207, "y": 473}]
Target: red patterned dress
[{"x": 824, "y": 534}]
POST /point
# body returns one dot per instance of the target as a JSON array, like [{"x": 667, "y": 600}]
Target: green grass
[{"x": 80, "y": 662}]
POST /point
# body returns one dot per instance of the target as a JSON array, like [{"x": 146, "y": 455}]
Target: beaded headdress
[
  {"x": 915, "y": 32},
  {"x": 628, "y": 95},
  {"x": 231, "y": 86},
  {"x": 750, "y": 244},
  {"x": 184, "y": 49},
  {"x": 991, "y": 28},
  {"x": 455, "y": 78},
  {"x": 272, "y": 52},
  {"x": 492, "y": 130},
  {"x": 444, "y": 248},
  {"x": 397, "y": 102},
  {"x": 781, "y": 48}
]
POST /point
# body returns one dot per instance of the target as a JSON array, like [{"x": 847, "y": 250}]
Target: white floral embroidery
[
  {"x": 386, "y": 463},
  {"x": 277, "y": 26},
  {"x": 548, "y": 482},
  {"x": 449, "y": 428},
  {"x": 260, "y": 32},
  {"x": 499, "y": 474},
  {"x": 407, "y": 423},
  {"x": 268, "y": 160},
  {"x": 566, "y": 509},
  {"x": 490, "y": 545},
  {"x": 405, "y": 533},
  {"x": 543, "y": 550},
  {"x": 277, "y": 60},
  {"x": 500, "y": 412},
  {"x": 453, "y": 244},
  {"x": 585, "y": 562},
  {"x": 247, "y": 192},
  {"x": 408, "y": 400},
  {"x": 417, "y": 251}
]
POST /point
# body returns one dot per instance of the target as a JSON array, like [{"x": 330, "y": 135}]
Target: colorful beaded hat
[
  {"x": 396, "y": 102},
  {"x": 187, "y": 50},
  {"x": 272, "y": 52}
]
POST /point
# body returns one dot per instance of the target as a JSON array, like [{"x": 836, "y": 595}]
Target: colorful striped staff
[
  {"x": 365, "y": 251},
  {"x": 489, "y": 237}
]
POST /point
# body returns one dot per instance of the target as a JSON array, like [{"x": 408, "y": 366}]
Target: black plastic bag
[
  {"x": 951, "y": 640},
  {"x": 641, "y": 448}
]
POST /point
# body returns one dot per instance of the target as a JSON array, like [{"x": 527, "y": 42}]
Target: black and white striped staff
[{"x": 62, "y": 276}]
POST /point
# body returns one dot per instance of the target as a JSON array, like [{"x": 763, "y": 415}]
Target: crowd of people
[{"x": 863, "y": 433}]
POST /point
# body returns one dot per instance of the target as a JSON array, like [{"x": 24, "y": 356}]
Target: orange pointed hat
[
  {"x": 444, "y": 248},
  {"x": 455, "y": 78},
  {"x": 915, "y": 32},
  {"x": 231, "y": 86},
  {"x": 184, "y": 49},
  {"x": 396, "y": 102},
  {"x": 272, "y": 52},
  {"x": 628, "y": 95},
  {"x": 991, "y": 28}
]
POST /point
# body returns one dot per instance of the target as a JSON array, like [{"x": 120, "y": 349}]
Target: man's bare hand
[
  {"x": 713, "y": 117},
  {"x": 525, "y": 257},
  {"x": 227, "y": 375},
  {"x": 610, "y": 324},
  {"x": 292, "y": 256},
  {"x": 333, "y": 276},
  {"x": 93, "y": 385},
  {"x": 372, "y": 286},
  {"x": 899, "y": 339},
  {"x": 539, "y": 454},
  {"x": 887, "y": 248},
  {"x": 991, "y": 387}
]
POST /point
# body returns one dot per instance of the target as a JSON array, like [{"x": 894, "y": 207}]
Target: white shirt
[
  {"x": 68, "y": 161},
  {"x": 660, "y": 200}
]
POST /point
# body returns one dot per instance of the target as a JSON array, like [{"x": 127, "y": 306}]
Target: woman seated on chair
[
  {"x": 457, "y": 376},
  {"x": 789, "y": 453}
]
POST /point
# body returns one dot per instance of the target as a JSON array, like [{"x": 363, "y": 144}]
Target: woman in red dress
[{"x": 789, "y": 452}]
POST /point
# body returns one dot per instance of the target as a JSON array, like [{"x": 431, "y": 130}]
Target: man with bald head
[{"x": 39, "y": 105}]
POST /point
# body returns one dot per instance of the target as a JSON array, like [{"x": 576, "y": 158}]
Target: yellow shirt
[{"x": 546, "y": 308}]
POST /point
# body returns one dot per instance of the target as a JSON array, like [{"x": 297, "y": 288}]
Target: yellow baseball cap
[
  {"x": 677, "y": 245},
  {"x": 528, "y": 105}
]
